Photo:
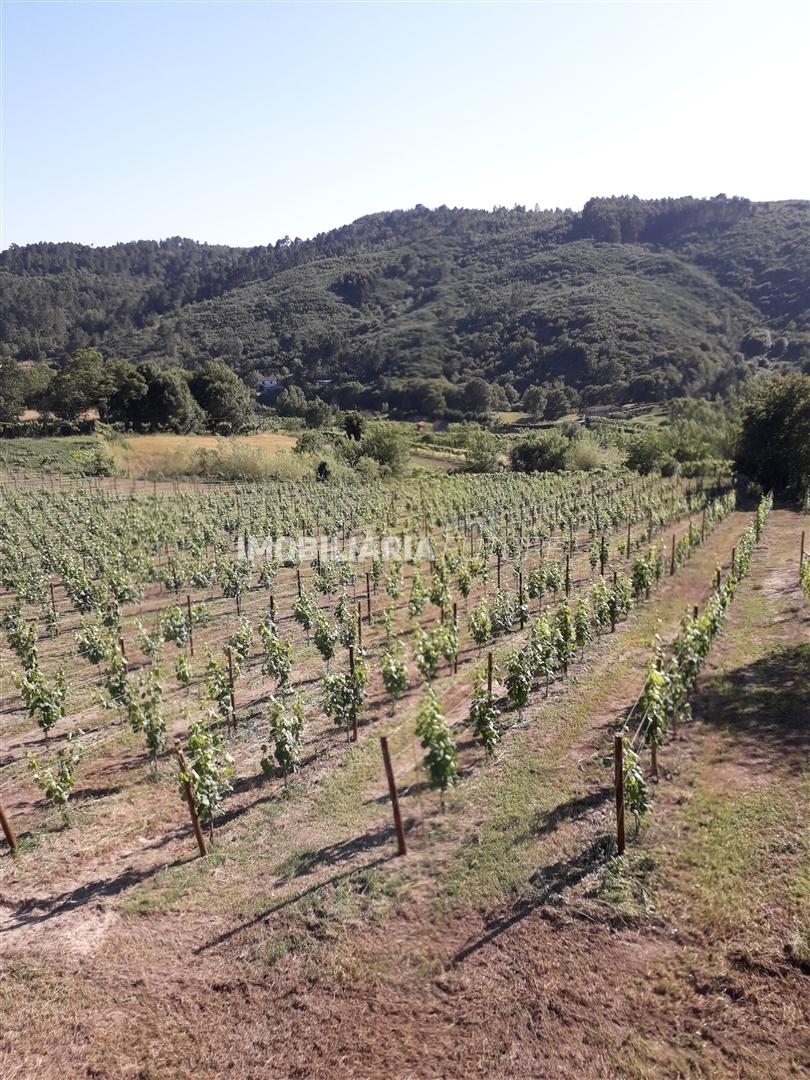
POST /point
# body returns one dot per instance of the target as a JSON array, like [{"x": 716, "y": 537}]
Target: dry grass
[{"x": 148, "y": 455}]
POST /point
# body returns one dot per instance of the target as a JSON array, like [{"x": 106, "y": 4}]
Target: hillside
[{"x": 628, "y": 299}]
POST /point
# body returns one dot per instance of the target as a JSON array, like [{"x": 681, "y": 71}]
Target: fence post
[
  {"x": 392, "y": 791},
  {"x": 618, "y": 766},
  {"x": 801, "y": 555},
  {"x": 230, "y": 681},
  {"x": 351, "y": 672},
  {"x": 192, "y": 809},
  {"x": 190, "y": 624},
  {"x": 9, "y": 832},
  {"x": 455, "y": 624}
]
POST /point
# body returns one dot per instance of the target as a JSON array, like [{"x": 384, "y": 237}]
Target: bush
[{"x": 542, "y": 453}]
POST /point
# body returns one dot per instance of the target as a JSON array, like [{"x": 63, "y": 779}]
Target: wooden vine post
[
  {"x": 230, "y": 683},
  {"x": 392, "y": 791},
  {"x": 455, "y": 624},
  {"x": 568, "y": 574},
  {"x": 801, "y": 555},
  {"x": 192, "y": 809},
  {"x": 490, "y": 671},
  {"x": 672, "y": 557},
  {"x": 5, "y": 824},
  {"x": 190, "y": 625},
  {"x": 351, "y": 672},
  {"x": 53, "y": 598},
  {"x": 618, "y": 765},
  {"x": 359, "y": 627},
  {"x": 368, "y": 595}
]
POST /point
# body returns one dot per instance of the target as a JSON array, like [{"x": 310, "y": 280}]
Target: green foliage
[
  {"x": 209, "y": 771},
  {"x": 441, "y": 756},
  {"x": 484, "y": 717},
  {"x": 45, "y": 700},
  {"x": 509, "y": 299},
  {"x": 276, "y": 654},
  {"x": 57, "y": 781},
  {"x": 286, "y": 735},
  {"x": 542, "y": 453},
  {"x": 394, "y": 674},
  {"x": 774, "y": 444}
]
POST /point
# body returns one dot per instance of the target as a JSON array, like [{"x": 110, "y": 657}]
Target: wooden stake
[
  {"x": 351, "y": 671},
  {"x": 53, "y": 598},
  {"x": 392, "y": 791},
  {"x": 672, "y": 557},
  {"x": 5, "y": 824},
  {"x": 368, "y": 595},
  {"x": 230, "y": 680},
  {"x": 568, "y": 574},
  {"x": 618, "y": 765},
  {"x": 192, "y": 809},
  {"x": 490, "y": 671},
  {"x": 455, "y": 622},
  {"x": 359, "y": 627},
  {"x": 190, "y": 625},
  {"x": 801, "y": 555},
  {"x": 628, "y": 541}
]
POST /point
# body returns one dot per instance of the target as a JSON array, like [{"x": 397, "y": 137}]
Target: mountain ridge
[{"x": 628, "y": 298}]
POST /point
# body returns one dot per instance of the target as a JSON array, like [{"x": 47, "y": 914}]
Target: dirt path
[{"x": 392, "y": 970}]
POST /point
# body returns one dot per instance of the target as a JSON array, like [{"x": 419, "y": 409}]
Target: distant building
[{"x": 269, "y": 387}]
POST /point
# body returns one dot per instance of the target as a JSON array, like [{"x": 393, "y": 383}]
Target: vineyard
[{"x": 223, "y": 702}]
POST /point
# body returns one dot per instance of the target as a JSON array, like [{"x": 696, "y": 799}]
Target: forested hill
[{"x": 627, "y": 299}]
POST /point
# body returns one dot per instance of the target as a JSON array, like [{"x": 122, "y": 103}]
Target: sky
[{"x": 241, "y": 123}]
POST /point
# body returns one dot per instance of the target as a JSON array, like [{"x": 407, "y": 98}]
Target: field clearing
[
  {"x": 141, "y": 455},
  {"x": 480, "y": 947}
]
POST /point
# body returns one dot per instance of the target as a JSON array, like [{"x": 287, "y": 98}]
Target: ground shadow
[
  {"x": 547, "y": 885},
  {"x": 766, "y": 702}
]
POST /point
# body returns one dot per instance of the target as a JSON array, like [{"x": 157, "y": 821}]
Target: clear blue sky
[{"x": 242, "y": 122}]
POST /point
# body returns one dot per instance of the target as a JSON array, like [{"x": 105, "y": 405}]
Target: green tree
[
  {"x": 168, "y": 404},
  {"x": 83, "y": 383},
  {"x": 12, "y": 390},
  {"x": 534, "y": 400},
  {"x": 543, "y": 453},
  {"x": 385, "y": 444},
  {"x": 481, "y": 452},
  {"x": 354, "y": 425},
  {"x": 477, "y": 396},
  {"x": 224, "y": 397},
  {"x": 774, "y": 442}
]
